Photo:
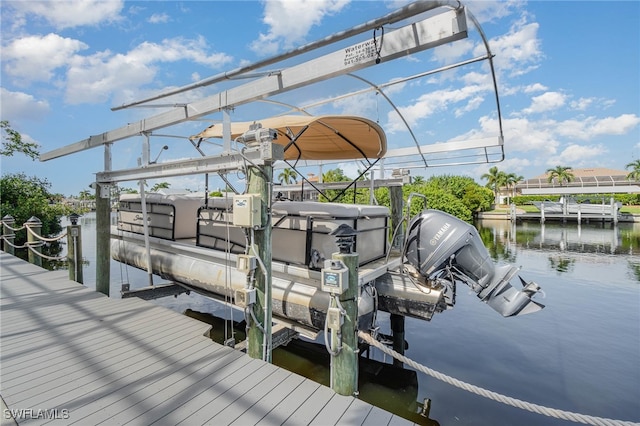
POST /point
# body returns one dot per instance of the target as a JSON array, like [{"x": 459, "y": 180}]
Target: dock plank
[
  {"x": 281, "y": 412},
  {"x": 113, "y": 361}
]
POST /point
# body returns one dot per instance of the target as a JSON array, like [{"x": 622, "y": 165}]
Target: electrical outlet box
[
  {"x": 245, "y": 263},
  {"x": 334, "y": 319},
  {"x": 335, "y": 277},
  {"x": 247, "y": 210},
  {"x": 245, "y": 297}
]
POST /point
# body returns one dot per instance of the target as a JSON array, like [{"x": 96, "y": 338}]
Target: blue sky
[{"x": 568, "y": 75}]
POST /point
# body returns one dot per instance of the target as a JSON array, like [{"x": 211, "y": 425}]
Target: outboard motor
[{"x": 442, "y": 246}]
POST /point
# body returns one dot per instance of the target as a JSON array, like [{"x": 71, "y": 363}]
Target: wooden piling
[
  {"x": 397, "y": 331},
  {"x": 8, "y": 235},
  {"x": 259, "y": 336},
  {"x": 103, "y": 241},
  {"x": 395, "y": 195},
  {"x": 74, "y": 253},
  {"x": 34, "y": 228},
  {"x": 344, "y": 366}
]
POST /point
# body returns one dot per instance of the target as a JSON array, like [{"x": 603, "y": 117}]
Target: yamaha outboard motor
[{"x": 441, "y": 246}]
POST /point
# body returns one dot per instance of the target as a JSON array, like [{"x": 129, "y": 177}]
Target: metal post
[
  {"x": 74, "y": 251},
  {"x": 344, "y": 366},
  {"x": 579, "y": 214},
  {"x": 8, "y": 235},
  {"x": 34, "y": 227}
]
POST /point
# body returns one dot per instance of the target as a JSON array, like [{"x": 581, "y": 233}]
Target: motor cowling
[{"x": 441, "y": 245}]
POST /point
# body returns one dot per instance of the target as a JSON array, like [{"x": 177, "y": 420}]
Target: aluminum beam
[
  {"x": 210, "y": 164},
  {"x": 426, "y": 34}
]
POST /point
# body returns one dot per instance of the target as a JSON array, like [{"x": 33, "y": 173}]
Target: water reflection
[{"x": 563, "y": 242}]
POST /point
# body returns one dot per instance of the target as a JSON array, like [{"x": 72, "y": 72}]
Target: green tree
[
  {"x": 496, "y": 179},
  {"x": 511, "y": 180},
  {"x": 417, "y": 180},
  {"x": 560, "y": 174},
  {"x": 287, "y": 176},
  {"x": 12, "y": 142},
  {"x": 23, "y": 197},
  {"x": 634, "y": 174},
  {"x": 160, "y": 185},
  {"x": 336, "y": 175}
]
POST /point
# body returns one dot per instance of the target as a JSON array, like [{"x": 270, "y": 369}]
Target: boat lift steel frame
[
  {"x": 428, "y": 33},
  {"x": 432, "y": 31}
]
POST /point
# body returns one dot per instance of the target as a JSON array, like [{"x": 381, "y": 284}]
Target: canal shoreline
[{"x": 505, "y": 215}]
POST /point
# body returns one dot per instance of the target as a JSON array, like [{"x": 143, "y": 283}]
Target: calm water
[{"x": 581, "y": 353}]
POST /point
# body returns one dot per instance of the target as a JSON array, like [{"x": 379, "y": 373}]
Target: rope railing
[
  {"x": 535, "y": 408},
  {"x": 35, "y": 242}
]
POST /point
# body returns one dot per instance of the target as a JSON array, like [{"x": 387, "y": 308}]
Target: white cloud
[
  {"x": 535, "y": 87},
  {"x": 591, "y": 127},
  {"x": 68, "y": 14},
  {"x": 518, "y": 51},
  {"x": 290, "y": 21},
  {"x": 578, "y": 155},
  {"x": 524, "y": 135},
  {"x": 159, "y": 18},
  {"x": 430, "y": 103},
  {"x": 546, "y": 102},
  {"x": 37, "y": 57},
  {"x": 485, "y": 11},
  {"x": 615, "y": 125},
  {"x": 582, "y": 103},
  {"x": 96, "y": 78},
  {"x": 17, "y": 106}
]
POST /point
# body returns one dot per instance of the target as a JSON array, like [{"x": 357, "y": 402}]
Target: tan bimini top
[{"x": 327, "y": 137}]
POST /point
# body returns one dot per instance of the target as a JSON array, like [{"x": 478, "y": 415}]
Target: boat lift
[{"x": 445, "y": 22}]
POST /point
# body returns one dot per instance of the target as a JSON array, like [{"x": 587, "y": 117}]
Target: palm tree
[
  {"x": 160, "y": 185},
  {"x": 634, "y": 174},
  {"x": 418, "y": 180},
  {"x": 495, "y": 180},
  {"x": 560, "y": 174},
  {"x": 511, "y": 180},
  {"x": 287, "y": 176}
]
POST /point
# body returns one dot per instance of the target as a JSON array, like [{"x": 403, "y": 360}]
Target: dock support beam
[
  {"x": 344, "y": 366},
  {"x": 395, "y": 194},
  {"x": 259, "y": 337},
  {"x": 103, "y": 240},
  {"x": 74, "y": 251},
  {"x": 260, "y": 181},
  {"x": 397, "y": 331}
]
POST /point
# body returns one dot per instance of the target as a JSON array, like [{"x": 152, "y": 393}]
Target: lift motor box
[
  {"x": 335, "y": 277},
  {"x": 247, "y": 210},
  {"x": 245, "y": 297}
]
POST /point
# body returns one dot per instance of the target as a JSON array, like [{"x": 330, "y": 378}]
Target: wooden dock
[
  {"x": 70, "y": 355},
  {"x": 564, "y": 218}
]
